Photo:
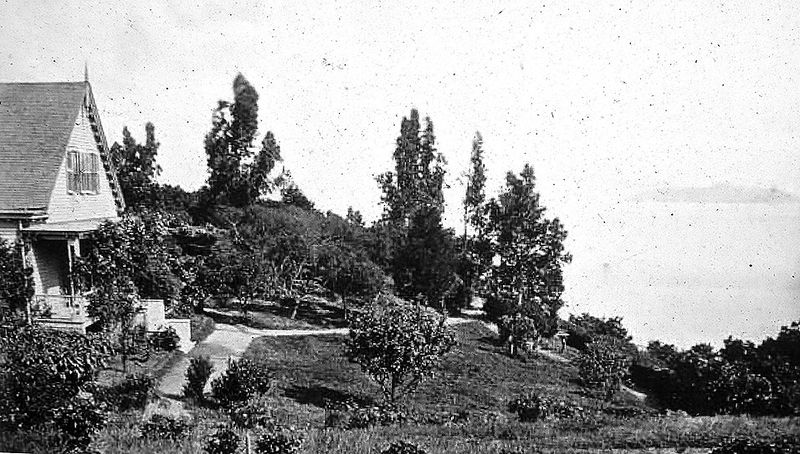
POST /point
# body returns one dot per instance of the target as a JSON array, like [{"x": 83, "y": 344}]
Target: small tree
[
  {"x": 399, "y": 346},
  {"x": 16, "y": 281}
]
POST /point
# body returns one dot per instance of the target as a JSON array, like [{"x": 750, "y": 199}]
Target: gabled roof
[{"x": 36, "y": 120}]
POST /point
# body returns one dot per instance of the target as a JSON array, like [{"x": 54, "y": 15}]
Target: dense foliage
[
  {"x": 603, "y": 365},
  {"x": 197, "y": 375},
  {"x": 279, "y": 440},
  {"x": 46, "y": 378},
  {"x": 164, "y": 427},
  {"x": 222, "y": 441},
  {"x": 238, "y": 175},
  {"x": 528, "y": 277},
  {"x": 585, "y": 329},
  {"x": 419, "y": 251},
  {"x": 135, "y": 391},
  {"x": 739, "y": 378},
  {"x": 16, "y": 280},
  {"x": 517, "y": 331},
  {"x": 242, "y": 380},
  {"x": 398, "y": 345}
]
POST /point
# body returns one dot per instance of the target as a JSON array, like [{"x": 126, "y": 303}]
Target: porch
[{"x": 50, "y": 251}]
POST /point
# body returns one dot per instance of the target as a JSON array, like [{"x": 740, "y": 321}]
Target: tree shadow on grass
[
  {"x": 325, "y": 397},
  {"x": 314, "y": 313}
]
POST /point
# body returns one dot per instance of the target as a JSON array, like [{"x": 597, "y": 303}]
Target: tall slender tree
[
  {"x": 475, "y": 198},
  {"x": 476, "y": 255},
  {"x": 422, "y": 261},
  {"x": 238, "y": 175}
]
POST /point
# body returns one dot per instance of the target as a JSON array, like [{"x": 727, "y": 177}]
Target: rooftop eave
[{"x": 24, "y": 214}]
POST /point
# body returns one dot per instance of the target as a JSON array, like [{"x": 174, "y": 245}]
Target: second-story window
[{"x": 83, "y": 172}]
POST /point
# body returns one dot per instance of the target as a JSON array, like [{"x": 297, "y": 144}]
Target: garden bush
[
  {"x": 279, "y": 440},
  {"x": 399, "y": 346},
  {"x": 223, "y": 441},
  {"x": 162, "y": 427},
  {"x": 253, "y": 413},
  {"x": 602, "y": 366},
  {"x": 166, "y": 340},
  {"x": 243, "y": 379},
  {"x": 44, "y": 371},
  {"x": 585, "y": 329},
  {"x": 402, "y": 447},
  {"x": 196, "y": 377},
  {"x": 78, "y": 420},
  {"x": 135, "y": 391},
  {"x": 532, "y": 407}
]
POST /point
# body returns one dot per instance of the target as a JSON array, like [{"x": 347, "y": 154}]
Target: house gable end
[{"x": 70, "y": 205}]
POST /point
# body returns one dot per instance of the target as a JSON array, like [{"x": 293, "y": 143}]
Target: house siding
[
  {"x": 8, "y": 231},
  {"x": 49, "y": 259},
  {"x": 71, "y": 207}
]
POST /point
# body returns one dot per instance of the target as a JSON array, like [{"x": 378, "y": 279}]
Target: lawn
[
  {"x": 462, "y": 410},
  {"x": 312, "y": 313}
]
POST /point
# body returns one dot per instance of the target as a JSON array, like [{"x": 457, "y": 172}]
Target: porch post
[
  {"x": 24, "y": 253},
  {"x": 73, "y": 250}
]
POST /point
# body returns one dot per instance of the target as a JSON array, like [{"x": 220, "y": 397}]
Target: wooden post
[{"x": 23, "y": 252}]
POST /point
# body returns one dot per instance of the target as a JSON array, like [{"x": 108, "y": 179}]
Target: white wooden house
[{"x": 57, "y": 185}]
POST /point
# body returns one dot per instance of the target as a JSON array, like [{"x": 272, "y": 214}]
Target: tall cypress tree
[
  {"x": 237, "y": 176},
  {"x": 475, "y": 198},
  {"x": 476, "y": 255},
  {"x": 422, "y": 250}
]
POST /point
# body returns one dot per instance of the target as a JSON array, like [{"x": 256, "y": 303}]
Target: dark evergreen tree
[
  {"x": 528, "y": 278},
  {"x": 475, "y": 198},
  {"x": 421, "y": 252},
  {"x": 238, "y": 175},
  {"x": 137, "y": 169},
  {"x": 476, "y": 254}
]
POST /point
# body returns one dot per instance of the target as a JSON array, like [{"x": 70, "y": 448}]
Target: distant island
[{"x": 718, "y": 193}]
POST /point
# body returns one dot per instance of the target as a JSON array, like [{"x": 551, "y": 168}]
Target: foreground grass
[{"x": 462, "y": 410}]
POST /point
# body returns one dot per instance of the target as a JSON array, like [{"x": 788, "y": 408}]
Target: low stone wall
[
  {"x": 153, "y": 319},
  {"x": 183, "y": 327}
]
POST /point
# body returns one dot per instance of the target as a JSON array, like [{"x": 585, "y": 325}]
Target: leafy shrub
[
  {"x": 383, "y": 415},
  {"x": 402, "y": 447},
  {"x": 398, "y": 346},
  {"x": 279, "y": 441},
  {"x": 602, "y": 367},
  {"x": 135, "y": 391},
  {"x": 746, "y": 446},
  {"x": 223, "y": 441},
  {"x": 243, "y": 379},
  {"x": 166, "y": 340},
  {"x": 251, "y": 414},
  {"x": 517, "y": 331},
  {"x": 196, "y": 377},
  {"x": 164, "y": 428},
  {"x": 585, "y": 329},
  {"x": 43, "y": 371},
  {"x": 532, "y": 407},
  {"x": 78, "y": 420}
]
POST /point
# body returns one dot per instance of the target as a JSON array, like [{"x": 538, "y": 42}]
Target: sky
[{"x": 606, "y": 99}]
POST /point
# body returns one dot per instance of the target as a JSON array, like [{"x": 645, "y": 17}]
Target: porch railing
[{"x": 67, "y": 307}]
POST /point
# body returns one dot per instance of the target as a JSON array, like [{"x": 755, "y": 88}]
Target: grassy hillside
[{"x": 462, "y": 410}]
